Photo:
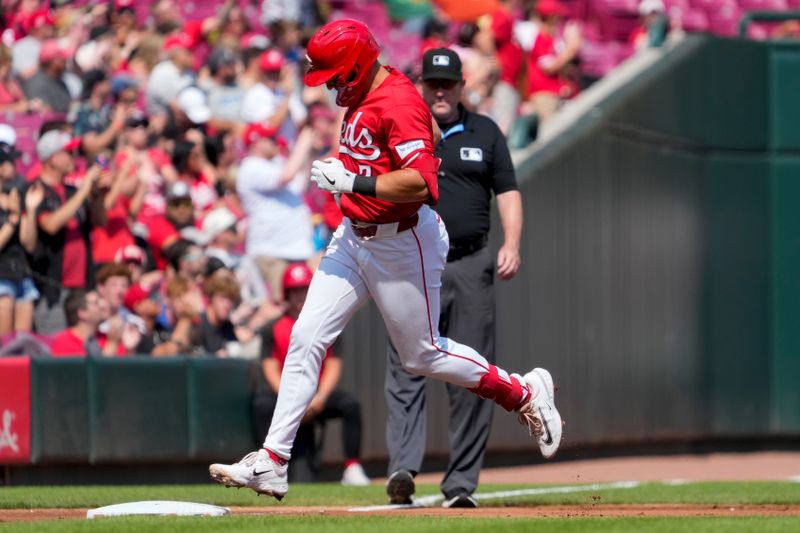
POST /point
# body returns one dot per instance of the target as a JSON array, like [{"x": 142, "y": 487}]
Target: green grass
[
  {"x": 401, "y": 524},
  {"x": 336, "y": 495},
  {"x": 322, "y": 494}
]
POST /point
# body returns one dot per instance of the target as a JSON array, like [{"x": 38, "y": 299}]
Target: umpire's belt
[
  {"x": 464, "y": 247},
  {"x": 364, "y": 230}
]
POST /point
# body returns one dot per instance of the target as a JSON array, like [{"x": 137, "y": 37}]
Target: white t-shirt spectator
[
  {"x": 164, "y": 84},
  {"x": 261, "y": 102},
  {"x": 279, "y": 222}
]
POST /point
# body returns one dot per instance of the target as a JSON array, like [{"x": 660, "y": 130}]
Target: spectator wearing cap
[
  {"x": 170, "y": 76},
  {"x": 163, "y": 231},
  {"x": 135, "y": 259},
  {"x": 653, "y": 26},
  {"x": 8, "y": 157},
  {"x": 225, "y": 95},
  {"x": 218, "y": 235},
  {"x": 271, "y": 189},
  {"x": 48, "y": 84},
  {"x": 95, "y": 120},
  {"x": 124, "y": 90},
  {"x": 65, "y": 218},
  {"x": 17, "y": 240},
  {"x": 329, "y": 402},
  {"x": 273, "y": 99},
  {"x": 40, "y": 26},
  {"x": 12, "y": 97},
  {"x": 550, "y": 59},
  {"x": 189, "y": 111}
]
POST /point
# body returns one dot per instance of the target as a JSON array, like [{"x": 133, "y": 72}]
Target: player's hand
[
  {"x": 330, "y": 175},
  {"x": 508, "y": 262},
  {"x": 314, "y": 408}
]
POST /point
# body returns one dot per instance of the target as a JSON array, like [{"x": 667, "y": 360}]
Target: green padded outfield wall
[{"x": 139, "y": 410}]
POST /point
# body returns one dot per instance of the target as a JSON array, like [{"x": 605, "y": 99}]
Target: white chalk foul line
[{"x": 428, "y": 501}]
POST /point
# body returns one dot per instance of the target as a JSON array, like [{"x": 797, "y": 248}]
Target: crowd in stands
[{"x": 154, "y": 156}]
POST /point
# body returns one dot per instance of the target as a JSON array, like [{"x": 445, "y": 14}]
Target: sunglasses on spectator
[{"x": 446, "y": 85}]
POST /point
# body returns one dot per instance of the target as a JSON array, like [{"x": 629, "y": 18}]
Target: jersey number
[{"x": 365, "y": 170}]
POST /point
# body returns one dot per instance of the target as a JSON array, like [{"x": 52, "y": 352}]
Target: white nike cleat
[
  {"x": 540, "y": 413},
  {"x": 355, "y": 476},
  {"x": 256, "y": 471}
]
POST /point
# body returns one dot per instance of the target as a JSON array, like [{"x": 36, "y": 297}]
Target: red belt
[{"x": 363, "y": 231}]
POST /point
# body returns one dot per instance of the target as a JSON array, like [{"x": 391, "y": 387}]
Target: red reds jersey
[{"x": 389, "y": 130}]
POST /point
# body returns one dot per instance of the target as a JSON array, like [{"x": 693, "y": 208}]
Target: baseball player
[{"x": 390, "y": 246}]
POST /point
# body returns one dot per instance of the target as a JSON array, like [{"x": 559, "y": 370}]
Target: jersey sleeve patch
[{"x": 408, "y": 147}]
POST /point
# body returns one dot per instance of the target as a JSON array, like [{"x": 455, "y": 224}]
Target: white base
[{"x": 158, "y": 508}]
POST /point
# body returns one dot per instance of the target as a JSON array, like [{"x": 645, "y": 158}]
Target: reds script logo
[
  {"x": 362, "y": 141},
  {"x": 7, "y": 438}
]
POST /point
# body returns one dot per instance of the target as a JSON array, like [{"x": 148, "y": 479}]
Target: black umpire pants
[
  {"x": 467, "y": 316},
  {"x": 304, "y": 467}
]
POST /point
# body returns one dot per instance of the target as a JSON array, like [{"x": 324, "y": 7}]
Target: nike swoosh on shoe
[{"x": 549, "y": 439}]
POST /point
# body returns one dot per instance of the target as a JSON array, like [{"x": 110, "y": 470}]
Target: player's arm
[
  {"x": 272, "y": 373},
  {"x": 509, "y": 206},
  {"x": 405, "y": 185},
  {"x": 410, "y": 138}
]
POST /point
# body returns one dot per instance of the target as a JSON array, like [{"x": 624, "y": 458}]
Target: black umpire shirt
[{"x": 475, "y": 164}]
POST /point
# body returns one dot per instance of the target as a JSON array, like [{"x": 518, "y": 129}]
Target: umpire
[{"x": 475, "y": 164}]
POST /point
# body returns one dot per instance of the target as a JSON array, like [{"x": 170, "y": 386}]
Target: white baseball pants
[{"x": 402, "y": 273}]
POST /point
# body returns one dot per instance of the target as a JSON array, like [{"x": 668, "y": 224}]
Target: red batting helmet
[
  {"x": 342, "y": 52},
  {"x": 296, "y": 275}
]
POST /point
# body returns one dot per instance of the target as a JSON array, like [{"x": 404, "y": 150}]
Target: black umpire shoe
[
  {"x": 460, "y": 500},
  {"x": 400, "y": 487}
]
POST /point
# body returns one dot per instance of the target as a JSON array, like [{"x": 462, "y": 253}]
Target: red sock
[
  {"x": 351, "y": 462},
  {"x": 275, "y": 457},
  {"x": 508, "y": 395}
]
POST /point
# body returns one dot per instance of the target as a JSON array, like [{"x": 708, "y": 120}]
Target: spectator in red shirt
[
  {"x": 550, "y": 59},
  {"x": 190, "y": 161},
  {"x": 329, "y": 402},
  {"x": 63, "y": 260},
  {"x": 124, "y": 194},
  {"x": 84, "y": 313},
  {"x": 509, "y": 56},
  {"x": 163, "y": 231}
]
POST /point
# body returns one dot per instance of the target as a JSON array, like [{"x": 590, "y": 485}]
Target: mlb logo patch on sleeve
[
  {"x": 408, "y": 147},
  {"x": 471, "y": 154}
]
